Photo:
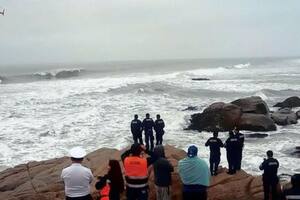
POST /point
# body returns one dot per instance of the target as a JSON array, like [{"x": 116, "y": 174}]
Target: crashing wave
[
  {"x": 239, "y": 66},
  {"x": 39, "y": 76}
]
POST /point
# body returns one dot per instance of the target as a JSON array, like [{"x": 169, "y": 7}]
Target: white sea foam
[{"x": 50, "y": 117}]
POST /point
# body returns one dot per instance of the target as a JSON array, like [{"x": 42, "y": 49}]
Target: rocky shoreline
[
  {"x": 41, "y": 180},
  {"x": 250, "y": 113}
]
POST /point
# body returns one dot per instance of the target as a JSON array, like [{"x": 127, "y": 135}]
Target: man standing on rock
[
  {"x": 137, "y": 130},
  {"x": 240, "y": 146},
  {"x": 214, "y": 144},
  {"x": 231, "y": 146},
  {"x": 194, "y": 174},
  {"x": 270, "y": 179},
  {"x": 77, "y": 178},
  {"x": 159, "y": 129},
  {"x": 148, "y": 125}
]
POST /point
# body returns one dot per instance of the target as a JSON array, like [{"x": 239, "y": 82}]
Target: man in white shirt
[{"x": 77, "y": 178}]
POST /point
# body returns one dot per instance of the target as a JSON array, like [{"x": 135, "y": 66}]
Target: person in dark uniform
[
  {"x": 137, "y": 130},
  {"x": 148, "y": 125},
  {"x": 241, "y": 139},
  {"x": 270, "y": 179},
  {"x": 214, "y": 144},
  {"x": 294, "y": 191},
  {"x": 231, "y": 146},
  {"x": 159, "y": 129}
]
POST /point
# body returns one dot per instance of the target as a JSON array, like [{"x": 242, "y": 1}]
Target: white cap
[{"x": 77, "y": 152}]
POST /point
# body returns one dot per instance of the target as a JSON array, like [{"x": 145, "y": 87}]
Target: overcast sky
[{"x": 51, "y": 31}]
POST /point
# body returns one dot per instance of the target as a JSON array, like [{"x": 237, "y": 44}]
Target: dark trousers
[
  {"x": 149, "y": 138},
  {"x": 270, "y": 185},
  {"x": 114, "y": 195},
  {"x": 136, "y": 193},
  {"x": 239, "y": 158},
  {"x": 214, "y": 162},
  {"x": 87, "y": 197},
  {"x": 231, "y": 158},
  {"x": 137, "y": 138},
  {"x": 159, "y": 138},
  {"x": 194, "y": 192}
]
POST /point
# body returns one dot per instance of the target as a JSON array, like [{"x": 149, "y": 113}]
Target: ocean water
[{"x": 43, "y": 114}]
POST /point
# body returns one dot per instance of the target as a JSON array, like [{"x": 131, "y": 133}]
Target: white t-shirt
[{"x": 77, "y": 179}]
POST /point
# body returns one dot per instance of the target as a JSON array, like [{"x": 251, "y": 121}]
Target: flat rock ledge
[{"x": 41, "y": 180}]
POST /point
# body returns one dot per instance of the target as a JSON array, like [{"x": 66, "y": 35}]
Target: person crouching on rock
[
  {"x": 195, "y": 175},
  {"x": 270, "y": 178},
  {"x": 77, "y": 178},
  {"x": 214, "y": 144},
  {"x": 111, "y": 185},
  {"x": 136, "y": 172}
]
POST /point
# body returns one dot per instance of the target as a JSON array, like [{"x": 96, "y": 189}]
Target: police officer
[
  {"x": 159, "y": 129},
  {"x": 294, "y": 192},
  {"x": 148, "y": 125},
  {"x": 270, "y": 179},
  {"x": 214, "y": 144},
  {"x": 136, "y": 130},
  {"x": 231, "y": 146},
  {"x": 241, "y": 139}
]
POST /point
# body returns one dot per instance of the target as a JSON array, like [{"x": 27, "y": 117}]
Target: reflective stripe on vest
[
  {"x": 104, "y": 192},
  {"x": 295, "y": 197},
  {"x": 136, "y": 172}
]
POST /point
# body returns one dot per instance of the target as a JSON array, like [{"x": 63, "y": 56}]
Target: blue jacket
[{"x": 194, "y": 171}]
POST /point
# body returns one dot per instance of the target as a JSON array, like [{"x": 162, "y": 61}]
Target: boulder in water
[
  {"x": 250, "y": 113},
  {"x": 200, "y": 79},
  {"x": 256, "y": 122},
  {"x": 190, "y": 108},
  {"x": 254, "y": 104},
  {"x": 256, "y": 135},
  {"x": 219, "y": 116},
  {"x": 298, "y": 114},
  {"x": 284, "y": 116},
  {"x": 290, "y": 102}
]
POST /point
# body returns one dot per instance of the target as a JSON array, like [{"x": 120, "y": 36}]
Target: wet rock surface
[{"x": 41, "y": 180}]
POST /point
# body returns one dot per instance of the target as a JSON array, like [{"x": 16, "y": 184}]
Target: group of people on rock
[
  {"x": 137, "y": 128},
  {"x": 140, "y": 161}
]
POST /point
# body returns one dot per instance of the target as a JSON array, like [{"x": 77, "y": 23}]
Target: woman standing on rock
[{"x": 111, "y": 185}]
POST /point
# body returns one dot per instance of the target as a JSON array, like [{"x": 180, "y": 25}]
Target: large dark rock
[
  {"x": 284, "y": 116},
  {"x": 298, "y": 114},
  {"x": 253, "y": 104},
  {"x": 250, "y": 113},
  {"x": 290, "y": 102},
  {"x": 256, "y": 135},
  {"x": 256, "y": 122},
  {"x": 200, "y": 79},
  {"x": 219, "y": 116}
]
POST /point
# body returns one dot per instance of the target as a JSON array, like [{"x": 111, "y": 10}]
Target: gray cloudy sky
[{"x": 50, "y": 31}]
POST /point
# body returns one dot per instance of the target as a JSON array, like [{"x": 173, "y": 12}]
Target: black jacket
[
  {"x": 214, "y": 145},
  {"x": 270, "y": 167},
  {"x": 162, "y": 168},
  {"x": 136, "y": 126}
]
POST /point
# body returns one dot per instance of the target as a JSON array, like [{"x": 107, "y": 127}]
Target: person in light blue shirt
[{"x": 195, "y": 175}]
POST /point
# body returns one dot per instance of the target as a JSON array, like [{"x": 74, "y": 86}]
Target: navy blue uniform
[
  {"x": 270, "y": 179},
  {"x": 241, "y": 139},
  {"x": 231, "y": 145},
  {"x": 148, "y": 125},
  {"x": 159, "y": 130},
  {"x": 214, "y": 144},
  {"x": 136, "y": 130}
]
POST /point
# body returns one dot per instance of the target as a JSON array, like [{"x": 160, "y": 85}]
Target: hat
[
  {"x": 192, "y": 151},
  {"x": 77, "y": 152}
]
